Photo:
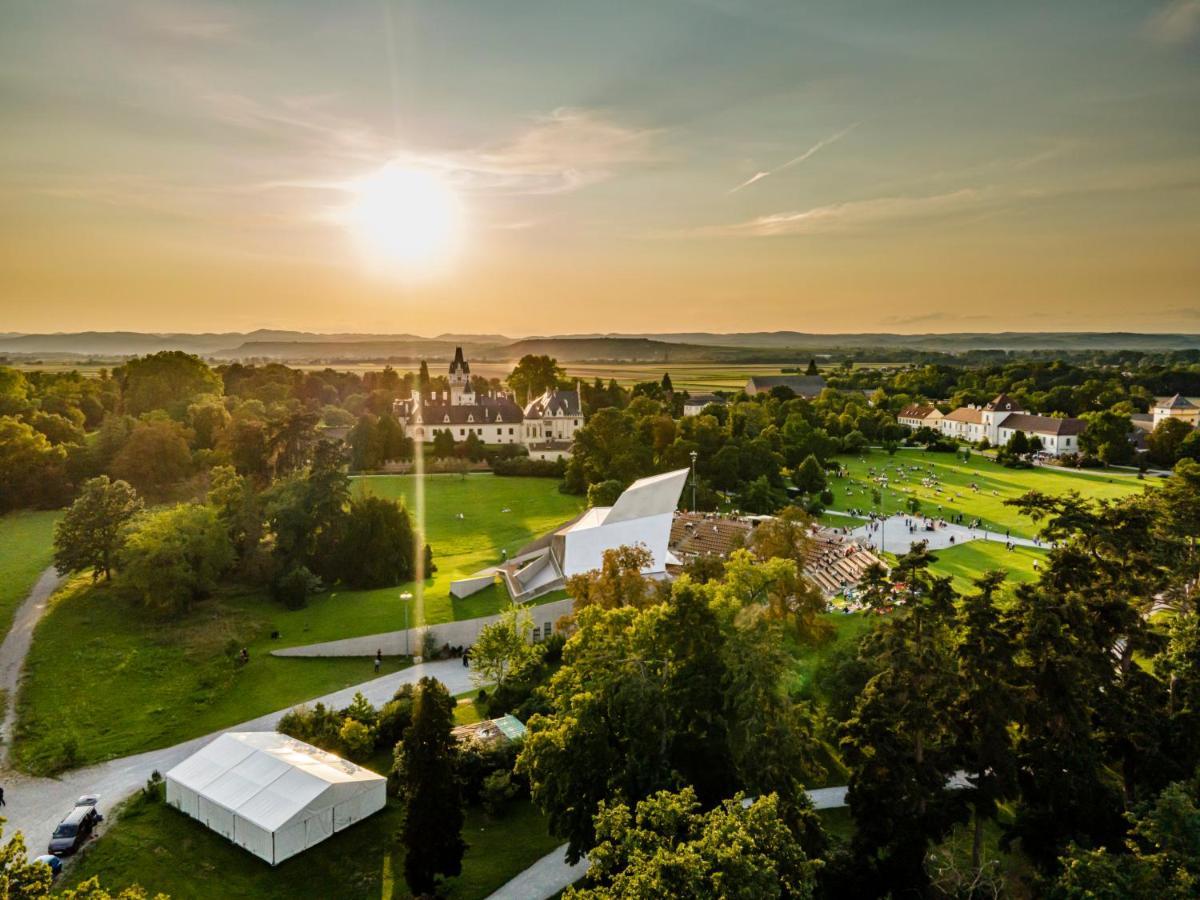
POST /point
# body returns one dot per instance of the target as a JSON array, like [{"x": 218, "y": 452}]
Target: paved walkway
[
  {"x": 892, "y": 535},
  {"x": 16, "y": 646}
]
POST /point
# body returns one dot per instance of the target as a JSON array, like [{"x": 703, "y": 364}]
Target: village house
[
  {"x": 1177, "y": 407},
  {"x": 695, "y": 403},
  {"x": 545, "y": 427}
]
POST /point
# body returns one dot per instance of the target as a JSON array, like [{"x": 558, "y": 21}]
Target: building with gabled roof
[
  {"x": 919, "y": 415},
  {"x": 546, "y": 426},
  {"x": 1002, "y": 417},
  {"x": 1176, "y": 407},
  {"x": 807, "y": 386}
]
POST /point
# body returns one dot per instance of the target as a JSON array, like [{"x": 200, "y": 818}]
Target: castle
[{"x": 546, "y": 426}]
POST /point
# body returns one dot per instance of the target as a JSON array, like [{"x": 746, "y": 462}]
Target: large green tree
[
  {"x": 91, "y": 533},
  {"x": 669, "y": 847},
  {"x": 378, "y": 546},
  {"x": 429, "y": 789},
  {"x": 533, "y": 375},
  {"x": 174, "y": 557},
  {"x": 155, "y": 458},
  {"x": 168, "y": 381}
]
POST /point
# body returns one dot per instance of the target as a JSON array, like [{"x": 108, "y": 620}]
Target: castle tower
[{"x": 461, "y": 393}]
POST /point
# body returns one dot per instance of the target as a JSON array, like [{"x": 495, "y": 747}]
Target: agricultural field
[
  {"x": 160, "y": 848},
  {"x": 26, "y": 549},
  {"x": 950, "y": 490},
  {"x": 167, "y": 682}
]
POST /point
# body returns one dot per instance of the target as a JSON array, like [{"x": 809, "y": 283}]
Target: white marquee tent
[{"x": 271, "y": 794}]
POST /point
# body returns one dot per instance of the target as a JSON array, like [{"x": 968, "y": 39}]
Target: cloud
[
  {"x": 187, "y": 20},
  {"x": 795, "y": 161},
  {"x": 850, "y": 216},
  {"x": 563, "y": 151},
  {"x": 1177, "y": 22}
]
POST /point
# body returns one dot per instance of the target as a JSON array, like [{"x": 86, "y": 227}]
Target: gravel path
[{"x": 16, "y": 646}]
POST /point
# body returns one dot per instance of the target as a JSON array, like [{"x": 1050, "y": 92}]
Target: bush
[
  {"x": 293, "y": 588},
  {"x": 476, "y": 762},
  {"x": 524, "y": 467},
  {"x": 356, "y": 739},
  {"x": 394, "y": 717},
  {"x": 498, "y": 789}
]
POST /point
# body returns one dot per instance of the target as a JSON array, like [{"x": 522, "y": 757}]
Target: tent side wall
[
  {"x": 180, "y": 796},
  {"x": 254, "y": 838},
  {"x": 216, "y": 817},
  {"x": 289, "y": 841},
  {"x": 358, "y": 807}
]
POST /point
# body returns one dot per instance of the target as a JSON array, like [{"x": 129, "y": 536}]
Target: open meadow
[
  {"x": 26, "y": 549},
  {"x": 942, "y": 483},
  {"x": 165, "y": 682}
]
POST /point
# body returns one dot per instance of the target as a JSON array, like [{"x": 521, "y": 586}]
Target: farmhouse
[
  {"x": 807, "y": 386},
  {"x": 1000, "y": 419},
  {"x": 271, "y": 794},
  {"x": 694, "y": 404},
  {"x": 546, "y": 426},
  {"x": 919, "y": 415}
]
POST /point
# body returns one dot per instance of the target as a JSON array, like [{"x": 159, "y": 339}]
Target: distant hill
[{"x": 760, "y": 346}]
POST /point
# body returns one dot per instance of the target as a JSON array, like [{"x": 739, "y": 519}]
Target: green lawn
[
  {"x": 966, "y": 562},
  {"x": 996, "y": 484},
  {"x": 160, "y": 848},
  {"x": 26, "y": 548},
  {"x": 168, "y": 682},
  {"x": 103, "y": 676}
]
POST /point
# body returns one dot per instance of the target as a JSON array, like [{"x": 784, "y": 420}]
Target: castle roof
[
  {"x": 553, "y": 403},
  {"x": 488, "y": 411},
  {"x": 459, "y": 364},
  {"x": 917, "y": 411},
  {"x": 1043, "y": 424},
  {"x": 1004, "y": 403},
  {"x": 1177, "y": 402}
]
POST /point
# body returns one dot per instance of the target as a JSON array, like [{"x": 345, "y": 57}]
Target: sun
[{"x": 405, "y": 219}]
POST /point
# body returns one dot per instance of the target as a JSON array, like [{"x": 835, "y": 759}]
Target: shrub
[
  {"x": 294, "y": 587},
  {"x": 524, "y": 467},
  {"x": 356, "y": 739},
  {"x": 497, "y": 790}
]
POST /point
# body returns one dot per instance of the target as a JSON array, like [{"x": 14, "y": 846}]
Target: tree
[
  {"x": 503, "y": 647},
  {"x": 443, "y": 444},
  {"x": 208, "y": 418},
  {"x": 169, "y": 381},
  {"x": 809, "y": 477},
  {"x": 667, "y": 387},
  {"x": 1106, "y": 436},
  {"x": 433, "y": 814},
  {"x": 155, "y": 458},
  {"x": 901, "y": 744},
  {"x": 604, "y": 493},
  {"x": 761, "y": 496},
  {"x": 31, "y": 468},
  {"x": 812, "y": 368},
  {"x": 173, "y": 557},
  {"x": 91, "y": 533},
  {"x": 378, "y": 545},
  {"x": 667, "y": 847},
  {"x": 1165, "y": 441},
  {"x": 988, "y": 703},
  {"x": 618, "y": 582},
  {"x": 533, "y": 376},
  {"x": 366, "y": 445}
]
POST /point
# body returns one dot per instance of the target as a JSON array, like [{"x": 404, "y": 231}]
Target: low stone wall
[
  {"x": 398, "y": 643},
  {"x": 465, "y": 587}
]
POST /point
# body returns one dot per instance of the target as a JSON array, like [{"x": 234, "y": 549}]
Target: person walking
[
  {"x": 378, "y": 660},
  {"x": 2, "y": 801}
]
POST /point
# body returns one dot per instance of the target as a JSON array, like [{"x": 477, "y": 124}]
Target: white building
[
  {"x": 919, "y": 415},
  {"x": 271, "y": 794},
  {"x": 694, "y": 404},
  {"x": 642, "y": 516},
  {"x": 546, "y": 426},
  {"x": 1177, "y": 407},
  {"x": 1003, "y": 417}
]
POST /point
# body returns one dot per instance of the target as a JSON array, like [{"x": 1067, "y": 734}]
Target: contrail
[{"x": 795, "y": 161}]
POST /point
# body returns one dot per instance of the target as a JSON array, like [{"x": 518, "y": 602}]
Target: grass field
[
  {"x": 966, "y": 562},
  {"x": 161, "y": 849},
  {"x": 167, "y": 682},
  {"x": 996, "y": 484},
  {"x": 26, "y": 549}
]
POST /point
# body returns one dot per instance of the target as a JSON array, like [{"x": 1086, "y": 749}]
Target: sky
[{"x": 648, "y": 166}]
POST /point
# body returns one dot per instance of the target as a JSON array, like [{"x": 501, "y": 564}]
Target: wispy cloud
[
  {"x": 849, "y": 216},
  {"x": 563, "y": 151},
  {"x": 796, "y": 160},
  {"x": 186, "y": 20},
  {"x": 1177, "y": 22}
]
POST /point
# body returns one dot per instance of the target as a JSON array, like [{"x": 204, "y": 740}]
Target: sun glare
[{"x": 405, "y": 219}]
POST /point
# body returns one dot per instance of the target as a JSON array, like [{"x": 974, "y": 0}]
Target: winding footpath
[{"x": 35, "y": 805}]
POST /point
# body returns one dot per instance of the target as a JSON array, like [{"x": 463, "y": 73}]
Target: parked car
[
  {"x": 53, "y": 862},
  {"x": 73, "y": 830}
]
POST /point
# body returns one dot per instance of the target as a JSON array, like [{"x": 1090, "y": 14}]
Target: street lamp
[
  {"x": 694, "y": 454},
  {"x": 405, "y": 597}
]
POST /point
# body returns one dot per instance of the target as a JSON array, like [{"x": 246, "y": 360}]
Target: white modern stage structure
[
  {"x": 642, "y": 516},
  {"x": 271, "y": 794}
]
